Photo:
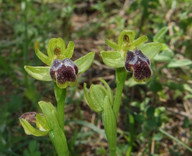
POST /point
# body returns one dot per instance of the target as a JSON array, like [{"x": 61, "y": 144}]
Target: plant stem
[
  {"x": 112, "y": 152},
  {"x": 60, "y": 95},
  {"x": 175, "y": 139},
  {"x": 121, "y": 75},
  {"x": 131, "y": 137}
]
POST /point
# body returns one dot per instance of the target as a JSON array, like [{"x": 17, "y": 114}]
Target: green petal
[
  {"x": 55, "y": 43},
  {"x": 42, "y": 56},
  {"x": 112, "y": 59},
  {"x": 139, "y": 41},
  {"x": 84, "y": 62},
  {"x": 39, "y": 73},
  {"x": 30, "y": 130},
  {"x": 150, "y": 49},
  {"x": 112, "y": 44},
  {"x": 68, "y": 53}
]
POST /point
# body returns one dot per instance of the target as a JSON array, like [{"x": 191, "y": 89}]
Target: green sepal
[
  {"x": 42, "y": 123},
  {"x": 150, "y": 49},
  {"x": 129, "y": 33},
  {"x": 45, "y": 59},
  {"x": 83, "y": 63},
  {"x": 30, "y": 130},
  {"x": 52, "y": 45},
  {"x": 112, "y": 59},
  {"x": 68, "y": 52},
  {"x": 38, "y": 72},
  {"x": 112, "y": 44},
  {"x": 109, "y": 121},
  {"x": 95, "y": 106}
]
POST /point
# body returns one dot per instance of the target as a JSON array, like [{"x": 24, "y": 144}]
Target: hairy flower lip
[
  {"x": 29, "y": 116},
  {"x": 63, "y": 71},
  {"x": 139, "y": 64}
]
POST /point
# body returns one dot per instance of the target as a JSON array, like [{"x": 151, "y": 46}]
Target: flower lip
[
  {"x": 139, "y": 64},
  {"x": 29, "y": 116},
  {"x": 63, "y": 70}
]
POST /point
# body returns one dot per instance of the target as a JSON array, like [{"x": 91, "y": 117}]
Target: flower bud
[
  {"x": 95, "y": 96},
  {"x": 139, "y": 64},
  {"x": 30, "y": 119},
  {"x": 63, "y": 71}
]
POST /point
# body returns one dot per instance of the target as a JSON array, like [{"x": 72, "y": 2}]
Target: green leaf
[
  {"x": 91, "y": 103},
  {"x": 53, "y": 44},
  {"x": 30, "y": 130},
  {"x": 38, "y": 72},
  {"x": 150, "y": 49},
  {"x": 84, "y": 62},
  {"x": 112, "y": 59},
  {"x": 50, "y": 113},
  {"x": 56, "y": 135},
  {"x": 112, "y": 44},
  {"x": 110, "y": 125},
  {"x": 179, "y": 63},
  {"x": 164, "y": 56},
  {"x": 109, "y": 91},
  {"x": 129, "y": 33},
  {"x": 91, "y": 126},
  {"x": 45, "y": 59},
  {"x": 69, "y": 50},
  {"x": 161, "y": 33}
]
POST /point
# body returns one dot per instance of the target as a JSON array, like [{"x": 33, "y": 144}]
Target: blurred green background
[{"x": 164, "y": 102}]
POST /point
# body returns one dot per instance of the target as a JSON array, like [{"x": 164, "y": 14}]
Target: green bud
[
  {"x": 96, "y": 95},
  {"x": 95, "y": 101}
]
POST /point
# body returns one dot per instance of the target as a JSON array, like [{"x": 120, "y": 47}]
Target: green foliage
[{"x": 164, "y": 98}]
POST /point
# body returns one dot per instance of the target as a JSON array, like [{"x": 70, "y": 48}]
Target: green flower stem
[
  {"x": 131, "y": 137},
  {"x": 60, "y": 95},
  {"x": 121, "y": 76}
]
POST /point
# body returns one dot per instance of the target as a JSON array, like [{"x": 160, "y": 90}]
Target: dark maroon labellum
[
  {"x": 139, "y": 64},
  {"x": 63, "y": 71}
]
